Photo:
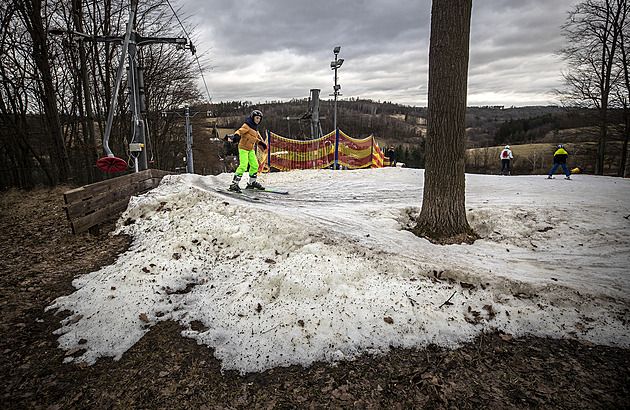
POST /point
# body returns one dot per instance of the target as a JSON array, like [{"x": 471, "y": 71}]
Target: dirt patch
[
  {"x": 468, "y": 237},
  {"x": 39, "y": 258}
]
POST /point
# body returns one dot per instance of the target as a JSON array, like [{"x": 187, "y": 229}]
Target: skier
[
  {"x": 506, "y": 156},
  {"x": 392, "y": 156},
  {"x": 560, "y": 159},
  {"x": 247, "y": 137}
]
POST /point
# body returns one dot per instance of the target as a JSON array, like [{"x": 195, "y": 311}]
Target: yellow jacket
[{"x": 249, "y": 137}]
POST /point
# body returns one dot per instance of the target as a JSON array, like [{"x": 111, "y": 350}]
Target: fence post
[
  {"x": 268, "y": 151},
  {"x": 337, "y": 148},
  {"x": 372, "y": 151}
]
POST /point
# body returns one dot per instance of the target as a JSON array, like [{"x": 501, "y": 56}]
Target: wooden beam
[{"x": 96, "y": 203}]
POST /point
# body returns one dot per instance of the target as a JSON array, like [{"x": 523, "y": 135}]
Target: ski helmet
[
  {"x": 257, "y": 113},
  {"x": 507, "y": 147},
  {"x": 560, "y": 146}
]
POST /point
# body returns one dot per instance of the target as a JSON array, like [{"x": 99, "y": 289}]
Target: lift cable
[{"x": 192, "y": 49}]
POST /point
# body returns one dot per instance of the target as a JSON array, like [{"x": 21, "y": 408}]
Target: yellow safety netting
[{"x": 332, "y": 150}]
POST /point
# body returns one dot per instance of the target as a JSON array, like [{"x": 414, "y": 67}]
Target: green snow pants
[{"x": 247, "y": 158}]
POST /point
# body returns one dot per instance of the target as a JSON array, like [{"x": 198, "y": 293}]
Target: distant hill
[
  {"x": 404, "y": 127},
  {"x": 393, "y": 124}
]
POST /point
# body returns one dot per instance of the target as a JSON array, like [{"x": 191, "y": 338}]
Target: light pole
[{"x": 334, "y": 65}]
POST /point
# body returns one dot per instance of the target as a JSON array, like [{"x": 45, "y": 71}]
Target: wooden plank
[
  {"x": 117, "y": 203},
  {"x": 96, "y": 203},
  {"x": 91, "y": 197},
  {"x": 82, "y": 224},
  {"x": 158, "y": 173},
  {"x": 100, "y": 188},
  {"x": 92, "y": 204}
]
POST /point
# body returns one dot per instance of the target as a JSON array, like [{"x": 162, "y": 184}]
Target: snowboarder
[
  {"x": 506, "y": 156},
  {"x": 560, "y": 159},
  {"x": 247, "y": 137}
]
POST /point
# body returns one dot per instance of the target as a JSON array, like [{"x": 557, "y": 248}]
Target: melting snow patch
[{"x": 291, "y": 280}]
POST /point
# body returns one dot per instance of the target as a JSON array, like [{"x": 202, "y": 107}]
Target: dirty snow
[{"x": 329, "y": 271}]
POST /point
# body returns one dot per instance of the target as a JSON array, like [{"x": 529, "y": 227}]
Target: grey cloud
[{"x": 280, "y": 49}]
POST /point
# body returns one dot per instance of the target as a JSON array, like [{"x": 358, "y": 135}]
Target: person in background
[
  {"x": 506, "y": 156},
  {"x": 560, "y": 159},
  {"x": 247, "y": 137},
  {"x": 392, "y": 156}
]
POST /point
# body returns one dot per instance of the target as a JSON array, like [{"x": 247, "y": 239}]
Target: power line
[{"x": 192, "y": 49}]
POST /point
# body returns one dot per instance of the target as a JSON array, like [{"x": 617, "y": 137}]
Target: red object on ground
[{"x": 111, "y": 164}]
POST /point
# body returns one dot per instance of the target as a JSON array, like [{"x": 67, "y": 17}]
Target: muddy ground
[{"x": 39, "y": 257}]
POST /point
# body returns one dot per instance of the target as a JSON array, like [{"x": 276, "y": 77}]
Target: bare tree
[
  {"x": 86, "y": 110},
  {"x": 592, "y": 31},
  {"x": 31, "y": 14},
  {"x": 623, "y": 92},
  {"x": 56, "y": 92},
  {"x": 443, "y": 213},
  {"x": 19, "y": 86},
  {"x": 536, "y": 159}
]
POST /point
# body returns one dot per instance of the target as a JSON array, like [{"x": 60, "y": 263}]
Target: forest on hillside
[
  {"x": 357, "y": 118},
  {"x": 404, "y": 128},
  {"x": 406, "y": 125},
  {"x": 387, "y": 121},
  {"x": 400, "y": 126}
]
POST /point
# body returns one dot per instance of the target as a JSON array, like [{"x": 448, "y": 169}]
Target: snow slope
[{"x": 329, "y": 272}]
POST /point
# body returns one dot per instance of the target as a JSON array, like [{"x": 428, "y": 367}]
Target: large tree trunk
[
  {"x": 625, "y": 99},
  {"x": 443, "y": 213},
  {"x": 623, "y": 163}
]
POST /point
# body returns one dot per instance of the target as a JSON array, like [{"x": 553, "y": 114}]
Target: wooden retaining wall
[{"x": 91, "y": 205}]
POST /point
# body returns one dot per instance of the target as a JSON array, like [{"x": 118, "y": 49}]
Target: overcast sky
[{"x": 280, "y": 49}]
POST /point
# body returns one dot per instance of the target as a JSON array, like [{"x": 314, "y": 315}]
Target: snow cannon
[{"x": 576, "y": 170}]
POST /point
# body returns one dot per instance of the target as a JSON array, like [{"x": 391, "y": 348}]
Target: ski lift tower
[
  {"x": 312, "y": 114},
  {"x": 315, "y": 125},
  {"x": 135, "y": 81},
  {"x": 187, "y": 114}
]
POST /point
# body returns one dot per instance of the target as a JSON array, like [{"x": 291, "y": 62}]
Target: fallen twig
[{"x": 447, "y": 300}]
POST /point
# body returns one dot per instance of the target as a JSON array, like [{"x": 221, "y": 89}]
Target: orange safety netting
[{"x": 332, "y": 149}]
